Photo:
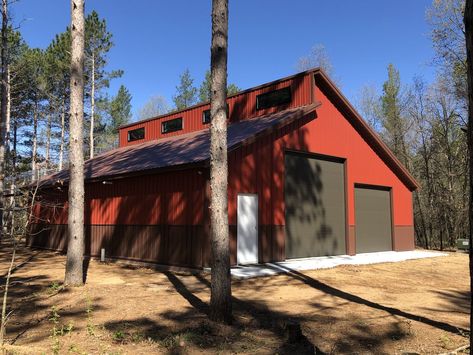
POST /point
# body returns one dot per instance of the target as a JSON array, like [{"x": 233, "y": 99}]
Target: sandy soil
[{"x": 417, "y": 306}]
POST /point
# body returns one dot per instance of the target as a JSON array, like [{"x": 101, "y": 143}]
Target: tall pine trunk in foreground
[
  {"x": 468, "y": 20},
  {"x": 75, "y": 246},
  {"x": 3, "y": 123},
  {"x": 3, "y": 110},
  {"x": 221, "y": 293}
]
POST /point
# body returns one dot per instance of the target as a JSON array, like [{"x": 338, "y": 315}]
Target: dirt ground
[{"x": 417, "y": 306}]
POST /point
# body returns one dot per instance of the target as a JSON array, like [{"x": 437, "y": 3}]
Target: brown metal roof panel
[{"x": 178, "y": 150}]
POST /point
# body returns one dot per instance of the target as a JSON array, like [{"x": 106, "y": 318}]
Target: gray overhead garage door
[
  {"x": 315, "y": 206},
  {"x": 372, "y": 219}
]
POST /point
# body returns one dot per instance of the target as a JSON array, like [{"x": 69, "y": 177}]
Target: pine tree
[
  {"x": 221, "y": 289},
  {"x": 232, "y": 89},
  {"x": 98, "y": 42},
  {"x": 5, "y": 89},
  {"x": 58, "y": 59},
  {"x": 33, "y": 94},
  {"x": 186, "y": 93},
  {"x": 204, "y": 89},
  {"x": 120, "y": 109},
  {"x": 392, "y": 120},
  {"x": 75, "y": 244}
]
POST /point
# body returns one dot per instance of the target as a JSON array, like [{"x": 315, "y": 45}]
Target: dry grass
[{"x": 414, "y": 306}]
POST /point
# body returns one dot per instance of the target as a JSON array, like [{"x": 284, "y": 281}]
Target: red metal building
[{"x": 307, "y": 177}]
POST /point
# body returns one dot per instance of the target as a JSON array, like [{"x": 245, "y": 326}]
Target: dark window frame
[
  {"x": 272, "y": 98},
  {"x": 204, "y": 115},
  {"x": 172, "y": 129},
  {"x": 138, "y": 131},
  {"x": 204, "y": 121}
]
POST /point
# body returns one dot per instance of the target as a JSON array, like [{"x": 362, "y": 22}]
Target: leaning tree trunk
[
  {"x": 3, "y": 110},
  {"x": 75, "y": 246},
  {"x": 468, "y": 20},
  {"x": 92, "y": 109},
  {"x": 221, "y": 293}
]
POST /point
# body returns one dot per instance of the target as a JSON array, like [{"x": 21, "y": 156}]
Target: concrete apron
[{"x": 327, "y": 262}]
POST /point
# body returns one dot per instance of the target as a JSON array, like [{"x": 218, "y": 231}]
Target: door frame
[{"x": 257, "y": 225}]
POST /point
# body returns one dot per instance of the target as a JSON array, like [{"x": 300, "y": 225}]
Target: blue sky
[{"x": 155, "y": 41}]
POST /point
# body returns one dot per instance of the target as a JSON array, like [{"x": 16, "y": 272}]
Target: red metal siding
[
  {"x": 179, "y": 198},
  {"x": 174, "y": 198},
  {"x": 259, "y": 168},
  {"x": 241, "y": 106},
  {"x": 171, "y": 245},
  {"x": 363, "y": 165}
]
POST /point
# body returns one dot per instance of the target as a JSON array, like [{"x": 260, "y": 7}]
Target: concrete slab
[{"x": 326, "y": 262}]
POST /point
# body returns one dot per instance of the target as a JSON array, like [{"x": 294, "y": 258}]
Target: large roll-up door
[
  {"x": 315, "y": 206},
  {"x": 372, "y": 219}
]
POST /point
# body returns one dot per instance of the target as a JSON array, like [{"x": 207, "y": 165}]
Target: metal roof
[{"x": 182, "y": 150}]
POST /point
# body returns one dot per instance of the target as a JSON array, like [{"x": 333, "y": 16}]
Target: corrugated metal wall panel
[
  {"x": 168, "y": 245},
  {"x": 241, "y": 106},
  {"x": 179, "y": 197},
  {"x": 330, "y": 134},
  {"x": 175, "y": 198}
]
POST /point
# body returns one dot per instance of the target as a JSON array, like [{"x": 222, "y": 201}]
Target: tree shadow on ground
[
  {"x": 294, "y": 332},
  {"x": 280, "y": 325},
  {"x": 28, "y": 296},
  {"x": 356, "y": 299},
  {"x": 258, "y": 325},
  {"x": 452, "y": 302},
  {"x": 361, "y": 333}
]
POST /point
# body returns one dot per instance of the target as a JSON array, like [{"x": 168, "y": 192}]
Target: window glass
[
  {"x": 273, "y": 98},
  {"x": 136, "y": 134},
  {"x": 171, "y": 125}
]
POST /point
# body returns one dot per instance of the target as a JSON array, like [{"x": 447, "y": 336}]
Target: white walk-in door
[{"x": 247, "y": 229}]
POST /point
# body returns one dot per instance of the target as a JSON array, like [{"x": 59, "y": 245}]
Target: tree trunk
[
  {"x": 34, "y": 148},
  {"x": 441, "y": 232},
  {"x": 3, "y": 110},
  {"x": 468, "y": 20},
  {"x": 13, "y": 174},
  {"x": 92, "y": 109},
  {"x": 15, "y": 140},
  {"x": 422, "y": 222},
  {"x": 4, "y": 315},
  {"x": 48, "y": 141},
  {"x": 75, "y": 246},
  {"x": 221, "y": 294},
  {"x": 8, "y": 216},
  {"x": 8, "y": 114},
  {"x": 63, "y": 130}
]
